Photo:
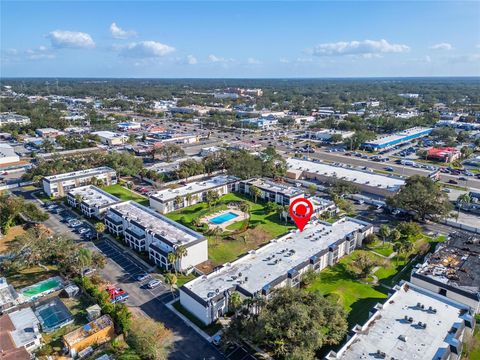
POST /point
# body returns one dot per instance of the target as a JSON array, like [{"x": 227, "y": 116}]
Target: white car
[{"x": 153, "y": 283}]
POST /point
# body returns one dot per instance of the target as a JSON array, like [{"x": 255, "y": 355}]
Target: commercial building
[
  {"x": 93, "y": 201},
  {"x": 145, "y": 230},
  {"x": 326, "y": 134},
  {"x": 444, "y": 154},
  {"x": 111, "y": 138},
  {"x": 387, "y": 141},
  {"x": 263, "y": 123},
  {"x": 413, "y": 324},
  {"x": 365, "y": 181},
  {"x": 8, "y": 155},
  {"x": 13, "y": 119},
  {"x": 453, "y": 270},
  {"x": 48, "y": 133},
  {"x": 279, "y": 263},
  {"x": 168, "y": 200},
  {"x": 59, "y": 185},
  {"x": 96, "y": 332},
  {"x": 19, "y": 329},
  {"x": 282, "y": 194},
  {"x": 129, "y": 126}
]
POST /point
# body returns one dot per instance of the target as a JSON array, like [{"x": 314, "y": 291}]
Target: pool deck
[{"x": 240, "y": 217}]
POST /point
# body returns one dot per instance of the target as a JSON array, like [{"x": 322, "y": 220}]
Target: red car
[{"x": 115, "y": 292}]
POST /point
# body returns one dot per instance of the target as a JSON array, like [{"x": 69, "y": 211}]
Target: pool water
[
  {"x": 41, "y": 287},
  {"x": 220, "y": 219}
]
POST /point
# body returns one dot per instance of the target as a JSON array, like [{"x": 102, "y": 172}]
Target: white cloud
[
  {"x": 428, "y": 59},
  {"x": 442, "y": 46},
  {"x": 42, "y": 52},
  {"x": 70, "y": 39},
  {"x": 284, "y": 61},
  {"x": 191, "y": 60},
  {"x": 366, "y": 48},
  {"x": 253, "y": 61},
  {"x": 118, "y": 33},
  {"x": 216, "y": 59},
  {"x": 146, "y": 49}
]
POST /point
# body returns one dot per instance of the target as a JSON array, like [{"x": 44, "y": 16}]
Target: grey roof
[
  {"x": 94, "y": 196},
  {"x": 26, "y": 326},
  {"x": 79, "y": 174}
]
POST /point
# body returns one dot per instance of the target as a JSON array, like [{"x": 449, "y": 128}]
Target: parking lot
[
  {"x": 239, "y": 352},
  {"x": 129, "y": 266}
]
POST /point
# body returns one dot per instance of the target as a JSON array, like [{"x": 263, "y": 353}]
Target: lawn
[
  {"x": 382, "y": 249},
  {"x": 227, "y": 247},
  {"x": 124, "y": 194},
  {"x": 30, "y": 276},
  {"x": 356, "y": 297}
]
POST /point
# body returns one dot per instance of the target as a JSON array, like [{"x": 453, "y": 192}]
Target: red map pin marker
[{"x": 301, "y": 210}]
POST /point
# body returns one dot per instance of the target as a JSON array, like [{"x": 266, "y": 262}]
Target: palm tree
[
  {"x": 85, "y": 258},
  {"x": 255, "y": 192},
  {"x": 171, "y": 259},
  {"x": 212, "y": 197},
  {"x": 235, "y": 301},
  {"x": 178, "y": 200},
  {"x": 189, "y": 198},
  {"x": 99, "y": 228},
  {"x": 384, "y": 232},
  {"x": 171, "y": 280},
  {"x": 78, "y": 200},
  {"x": 180, "y": 252},
  {"x": 462, "y": 199},
  {"x": 245, "y": 208}
]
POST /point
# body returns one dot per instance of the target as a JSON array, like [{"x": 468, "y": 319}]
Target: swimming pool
[
  {"x": 42, "y": 287},
  {"x": 220, "y": 219}
]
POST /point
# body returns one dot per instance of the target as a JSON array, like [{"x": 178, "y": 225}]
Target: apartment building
[
  {"x": 453, "y": 270},
  {"x": 279, "y": 263},
  {"x": 92, "y": 201},
  {"x": 61, "y": 184},
  {"x": 413, "y": 324},
  {"x": 14, "y": 119},
  {"x": 282, "y": 194},
  {"x": 168, "y": 200},
  {"x": 145, "y": 230}
]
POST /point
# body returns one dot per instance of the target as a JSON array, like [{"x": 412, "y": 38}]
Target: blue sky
[{"x": 240, "y": 39}]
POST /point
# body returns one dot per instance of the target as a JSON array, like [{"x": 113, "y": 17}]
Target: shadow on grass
[{"x": 360, "y": 309}]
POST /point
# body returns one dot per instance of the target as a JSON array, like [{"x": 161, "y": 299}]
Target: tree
[
  {"x": 462, "y": 200},
  {"x": 78, "y": 200},
  {"x": 99, "y": 228},
  {"x": 422, "y": 196},
  {"x": 235, "y": 301},
  {"x": 394, "y": 235},
  {"x": 178, "y": 201},
  {"x": 212, "y": 197},
  {"x": 85, "y": 258},
  {"x": 189, "y": 198},
  {"x": 245, "y": 208},
  {"x": 362, "y": 264},
  {"x": 312, "y": 189},
  {"x": 255, "y": 192},
  {"x": 168, "y": 151},
  {"x": 172, "y": 259},
  {"x": 180, "y": 252},
  {"x": 10, "y": 208},
  {"x": 384, "y": 232},
  {"x": 150, "y": 339},
  {"x": 408, "y": 229},
  {"x": 336, "y": 138},
  {"x": 171, "y": 280},
  {"x": 292, "y": 322}
]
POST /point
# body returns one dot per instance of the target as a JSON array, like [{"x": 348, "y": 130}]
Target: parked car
[
  {"x": 153, "y": 283},
  {"x": 141, "y": 276}
]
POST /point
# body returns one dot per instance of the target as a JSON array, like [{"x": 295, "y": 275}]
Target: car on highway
[
  {"x": 153, "y": 283},
  {"x": 462, "y": 178},
  {"x": 389, "y": 168},
  {"x": 451, "y": 181}
]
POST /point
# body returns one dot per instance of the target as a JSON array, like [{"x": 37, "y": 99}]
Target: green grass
[
  {"x": 382, "y": 249},
  {"x": 356, "y": 297},
  {"x": 263, "y": 227},
  {"x": 183, "y": 279},
  {"x": 209, "y": 329},
  {"x": 124, "y": 194},
  {"x": 30, "y": 276}
]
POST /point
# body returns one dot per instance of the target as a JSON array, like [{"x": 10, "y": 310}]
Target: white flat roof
[
  {"x": 347, "y": 174},
  {"x": 269, "y": 185},
  {"x": 397, "y": 136},
  {"x": 80, "y": 174},
  {"x": 108, "y": 134},
  {"x": 388, "y": 324},
  {"x": 192, "y": 188},
  {"x": 261, "y": 266},
  {"x": 154, "y": 222},
  {"x": 94, "y": 196}
]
